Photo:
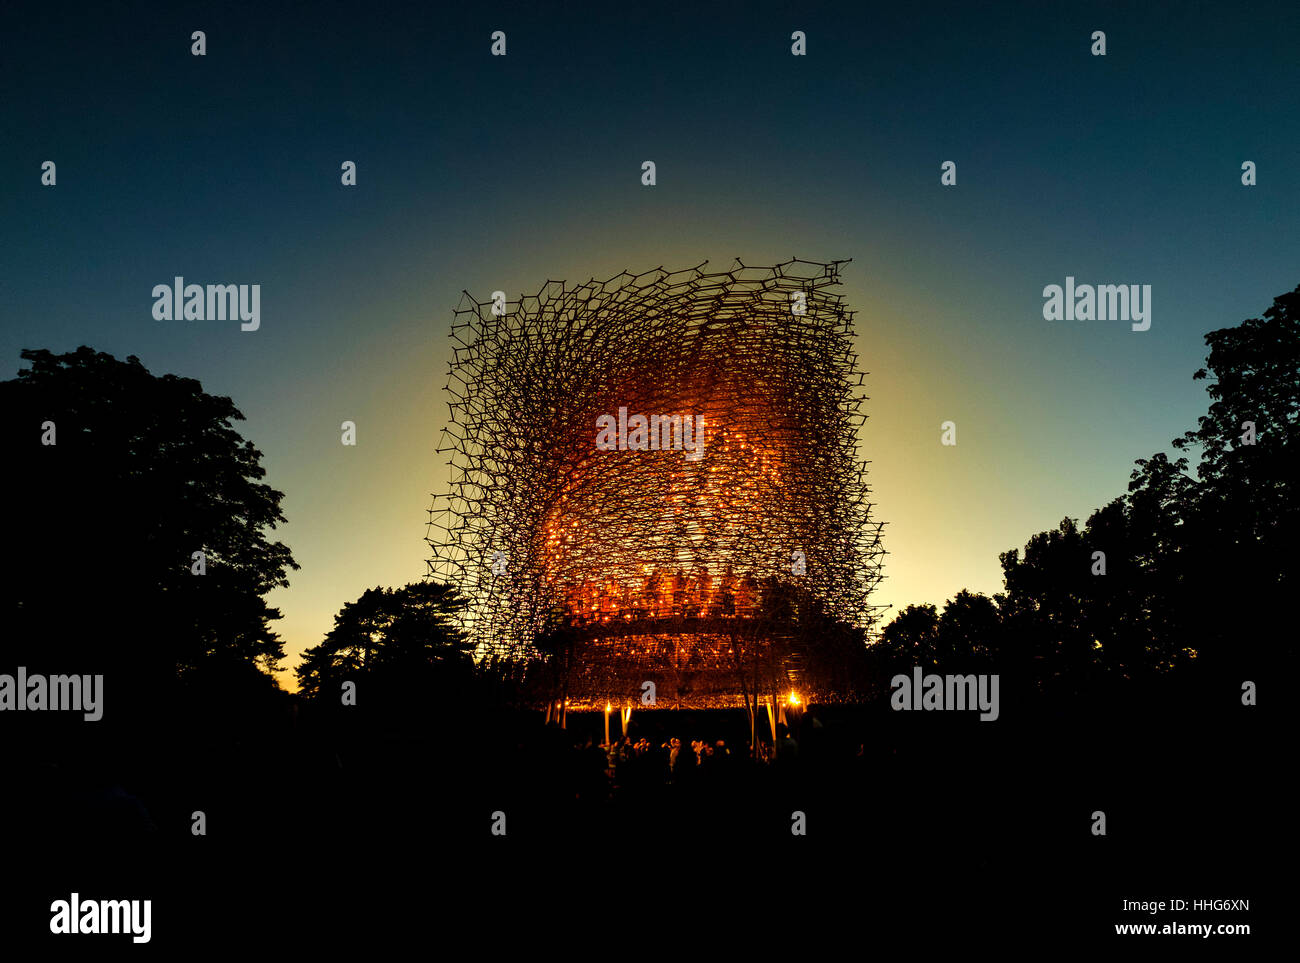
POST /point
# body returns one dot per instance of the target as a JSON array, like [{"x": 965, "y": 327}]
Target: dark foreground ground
[{"x": 922, "y": 829}]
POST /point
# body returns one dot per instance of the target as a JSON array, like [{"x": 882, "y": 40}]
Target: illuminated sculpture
[{"x": 656, "y": 478}]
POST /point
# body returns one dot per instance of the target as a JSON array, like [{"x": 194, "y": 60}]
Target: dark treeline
[
  {"x": 1199, "y": 556},
  {"x": 122, "y": 479},
  {"x": 146, "y": 471}
]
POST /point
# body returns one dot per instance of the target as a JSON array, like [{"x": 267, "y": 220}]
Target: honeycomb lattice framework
[{"x": 539, "y": 524}]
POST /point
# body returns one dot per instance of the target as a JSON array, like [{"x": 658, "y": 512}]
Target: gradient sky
[{"x": 483, "y": 173}]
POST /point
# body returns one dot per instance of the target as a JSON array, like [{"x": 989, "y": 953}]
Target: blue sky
[{"x": 482, "y": 173}]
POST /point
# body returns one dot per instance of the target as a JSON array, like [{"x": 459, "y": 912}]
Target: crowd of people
[
  {"x": 638, "y": 763},
  {"x": 701, "y": 756}
]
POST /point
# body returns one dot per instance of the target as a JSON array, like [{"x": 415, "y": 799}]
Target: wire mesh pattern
[{"x": 733, "y": 473}]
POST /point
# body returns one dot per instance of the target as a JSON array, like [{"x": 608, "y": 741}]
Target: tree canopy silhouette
[
  {"x": 396, "y": 638},
  {"x": 963, "y": 635},
  {"x": 1196, "y": 567},
  {"x": 143, "y": 472},
  {"x": 1243, "y": 517}
]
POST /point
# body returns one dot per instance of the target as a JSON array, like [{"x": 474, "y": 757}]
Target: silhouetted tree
[
  {"x": 966, "y": 633},
  {"x": 1083, "y": 604},
  {"x": 1244, "y": 518},
  {"x": 911, "y": 638},
  {"x": 969, "y": 630},
  {"x": 1045, "y": 603},
  {"x": 402, "y": 642},
  {"x": 1190, "y": 568},
  {"x": 144, "y": 472}
]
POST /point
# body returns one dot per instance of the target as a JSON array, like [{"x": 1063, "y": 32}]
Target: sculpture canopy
[{"x": 728, "y": 506}]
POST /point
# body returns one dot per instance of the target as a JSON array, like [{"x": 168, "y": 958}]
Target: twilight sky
[{"x": 478, "y": 172}]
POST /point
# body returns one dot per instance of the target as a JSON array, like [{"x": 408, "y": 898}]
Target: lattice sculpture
[{"x": 657, "y": 548}]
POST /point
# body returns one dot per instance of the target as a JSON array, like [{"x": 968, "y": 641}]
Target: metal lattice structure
[{"x": 653, "y": 554}]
